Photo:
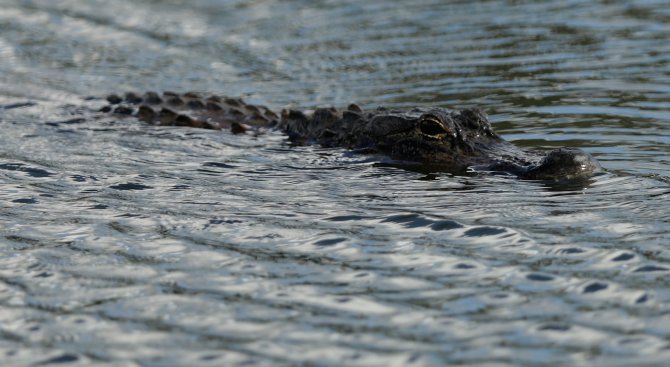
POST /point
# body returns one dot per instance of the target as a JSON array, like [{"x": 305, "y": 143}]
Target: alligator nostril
[
  {"x": 432, "y": 126},
  {"x": 564, "y": 163}
]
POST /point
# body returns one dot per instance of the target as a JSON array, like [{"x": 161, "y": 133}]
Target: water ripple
[{"x": 129, "y": 244}]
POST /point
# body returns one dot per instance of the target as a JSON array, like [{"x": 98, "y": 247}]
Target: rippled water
[{"x": 123, "y": 244}]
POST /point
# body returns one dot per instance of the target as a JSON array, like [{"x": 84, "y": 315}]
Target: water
[{"x": 123, "y": 244}]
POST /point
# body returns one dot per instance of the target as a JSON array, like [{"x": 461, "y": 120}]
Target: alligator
[{"x": 433, "y": 138}]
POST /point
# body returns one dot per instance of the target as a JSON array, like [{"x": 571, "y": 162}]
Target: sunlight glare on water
[{"x": 128, "y": 244}]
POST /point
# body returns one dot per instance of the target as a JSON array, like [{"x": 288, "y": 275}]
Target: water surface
[{"x": 125, "y": 244}]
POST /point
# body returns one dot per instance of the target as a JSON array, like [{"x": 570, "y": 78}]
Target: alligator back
[{"x": 193, "y": 110}]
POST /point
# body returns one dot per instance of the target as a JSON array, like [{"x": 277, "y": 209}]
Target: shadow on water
[
  {"x": 571, "y": 185},
  {"x": 437, "y": 172}
]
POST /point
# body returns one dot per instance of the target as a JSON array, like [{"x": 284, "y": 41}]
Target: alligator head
[{"x": 435, "y": 138}]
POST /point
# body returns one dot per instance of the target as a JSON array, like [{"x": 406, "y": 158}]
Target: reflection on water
[{"x": 126, "y": 244}]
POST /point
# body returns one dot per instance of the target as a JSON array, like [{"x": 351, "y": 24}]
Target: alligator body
[{"x": 434, "y": 138}]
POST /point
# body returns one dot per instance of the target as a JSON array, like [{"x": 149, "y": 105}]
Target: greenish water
[{"x": 123, "y": 244}]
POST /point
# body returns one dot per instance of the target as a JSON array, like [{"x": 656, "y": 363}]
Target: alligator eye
[{"x": 432, "y": 126}]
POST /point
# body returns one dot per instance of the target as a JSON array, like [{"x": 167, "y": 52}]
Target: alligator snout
[{"x": 564, "y": 163}]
